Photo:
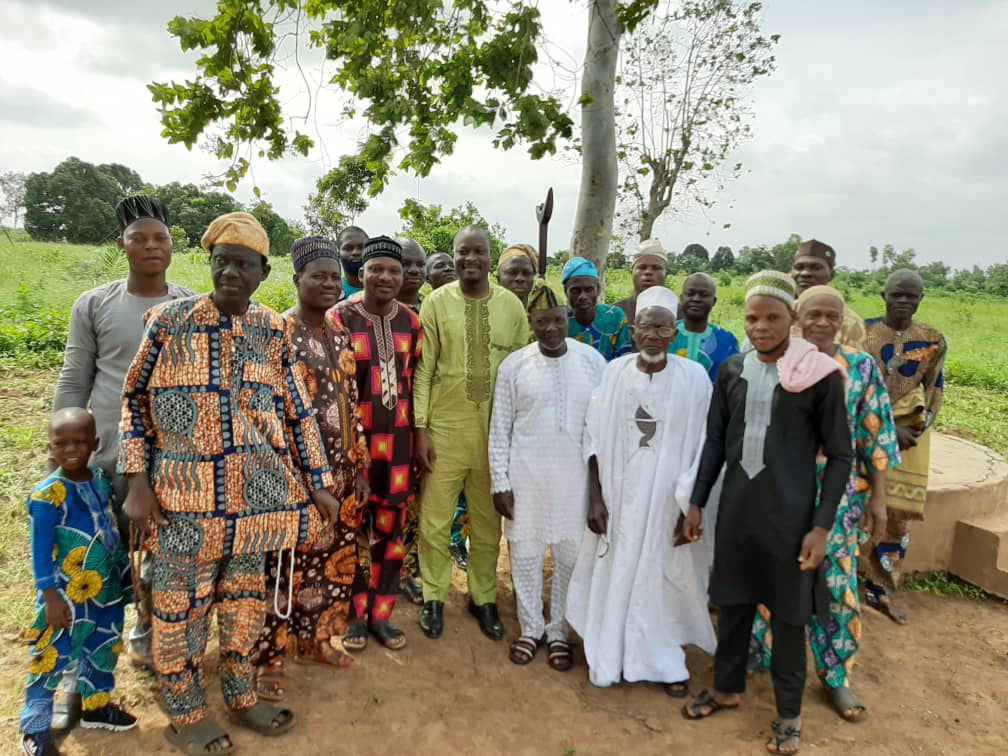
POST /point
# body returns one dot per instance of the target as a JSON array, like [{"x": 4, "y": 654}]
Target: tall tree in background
[
  {"x": 192, "y": 208},
  {"x": 77, "y": 201},
  {"x": 339, "y": 197},
  {"x": 12, "y": 194},
  {"x": 723, "y": 259},
  {"x": 415, "y": 69},
  {"x": 281, "y": 235},
  {"x": 683, "y": 104},
  {"x": 596, "y": 206},
  {"x": 435, "y": 229}
]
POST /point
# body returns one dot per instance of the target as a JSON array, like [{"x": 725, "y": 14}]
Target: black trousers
[{"x": 787, "y": 666}]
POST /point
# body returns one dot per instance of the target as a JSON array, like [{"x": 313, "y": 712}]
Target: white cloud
[{"x": 883, "y": 123}]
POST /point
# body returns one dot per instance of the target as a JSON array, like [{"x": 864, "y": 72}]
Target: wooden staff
[{"x": 543, "y": 214}]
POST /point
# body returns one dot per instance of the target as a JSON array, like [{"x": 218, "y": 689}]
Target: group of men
[{"x": 600, "y": 433}]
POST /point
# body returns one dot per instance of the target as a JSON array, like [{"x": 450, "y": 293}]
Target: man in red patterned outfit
[{"x": 386, "y": 337}]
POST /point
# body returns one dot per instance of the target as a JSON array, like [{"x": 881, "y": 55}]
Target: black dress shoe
[
  {"x": 432, "y": 619},
  {"x": 489, "y": 620}
]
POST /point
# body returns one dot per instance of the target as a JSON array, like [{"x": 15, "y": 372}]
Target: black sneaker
[
  {"x": 38, "y": 744},
  {"x": 109, "y": 717}
]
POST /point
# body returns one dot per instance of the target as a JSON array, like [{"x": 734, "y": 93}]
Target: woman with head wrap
[
  {"x": 323, "y": 570},
  {"x": 861, "y": 514},
  {"x": 516, "y": 270}
]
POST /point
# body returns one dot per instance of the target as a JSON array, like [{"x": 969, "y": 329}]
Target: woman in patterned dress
[
  {"x": 862, "y": 512},
  {"x": 312, "y": 625}
]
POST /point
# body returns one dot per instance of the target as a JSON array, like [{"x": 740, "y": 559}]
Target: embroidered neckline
[{"x": 382, "y": 328}]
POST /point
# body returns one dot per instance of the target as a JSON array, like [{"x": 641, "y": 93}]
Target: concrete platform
[{"x": 965, "y": 527}]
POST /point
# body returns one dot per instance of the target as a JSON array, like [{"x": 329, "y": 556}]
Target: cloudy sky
[{"x": 884, "y": 123}]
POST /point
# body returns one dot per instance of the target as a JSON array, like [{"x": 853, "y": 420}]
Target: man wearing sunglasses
[{"x": 639, "y": 589}]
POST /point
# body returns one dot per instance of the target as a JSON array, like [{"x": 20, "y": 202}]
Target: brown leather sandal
[{"x": 271, "y": 682}]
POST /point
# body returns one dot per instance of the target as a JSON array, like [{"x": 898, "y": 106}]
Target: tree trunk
[
  {"x": 596, "y": 205},
  {"x": 647, "y": 222}
]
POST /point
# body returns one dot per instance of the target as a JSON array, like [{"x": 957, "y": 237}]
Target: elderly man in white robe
[
  {"x": 538, "y": 471},
  {"x": 639, "y": 589}
]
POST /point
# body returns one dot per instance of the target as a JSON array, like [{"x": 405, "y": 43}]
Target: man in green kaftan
[{"x": 470, "y": 326}]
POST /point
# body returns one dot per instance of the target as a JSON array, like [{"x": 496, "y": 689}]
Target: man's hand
[
  {"x": 598, "y": 515},
  {"x": 813, "y": 549},
  {"x": 362, "y": 491},
  {"x": 876, "y": 515},
  {"x": 327, "y": 506},
  {"x": 907, "y": 436},
  {"x": 57, "y": 611},
  {"x": 423, "y": 450},
  {"x": 141, "y": 505},
  {"x": 504, "y": 504},
  {"x": 692, "y": 529}
]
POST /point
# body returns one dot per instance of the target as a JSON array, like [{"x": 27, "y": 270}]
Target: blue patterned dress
[
  {"x": 873, "y": 431},
  {"x": 76, "y": 549}
]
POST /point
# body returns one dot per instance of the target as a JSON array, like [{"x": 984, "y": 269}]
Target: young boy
[
  {"x": 82, "y": 575},
  {"x": 774, "y": 408}
]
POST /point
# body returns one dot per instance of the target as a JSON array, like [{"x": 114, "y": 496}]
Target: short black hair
[
  {"x": 132, "y": 209},
  {"x": 352, "y": 230}
]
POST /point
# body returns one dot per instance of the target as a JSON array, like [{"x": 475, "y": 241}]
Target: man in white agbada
[
  {"x": 636, "y": 597},
  {"x": 538, "y": 471}
]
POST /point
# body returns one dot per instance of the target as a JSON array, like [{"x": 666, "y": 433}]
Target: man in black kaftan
[{"x": 774, "y": 410}]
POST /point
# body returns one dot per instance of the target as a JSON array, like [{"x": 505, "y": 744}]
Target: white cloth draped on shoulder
[{"x": 636, "y": 602}]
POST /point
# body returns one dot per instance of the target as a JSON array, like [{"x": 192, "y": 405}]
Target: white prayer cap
[
  {"x": 658, "y": 296},
  {"x": 649, "y": 248}
]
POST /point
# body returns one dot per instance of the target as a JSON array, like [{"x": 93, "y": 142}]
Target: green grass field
[{"x": 40, "y": 281}]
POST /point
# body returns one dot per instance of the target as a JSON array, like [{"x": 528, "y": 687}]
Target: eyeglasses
[{"x": 665, "y": 332}]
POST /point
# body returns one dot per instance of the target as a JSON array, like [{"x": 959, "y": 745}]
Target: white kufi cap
[{"x": 658, "y": 296}]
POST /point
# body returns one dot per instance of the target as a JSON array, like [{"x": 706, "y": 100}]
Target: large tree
[
  {"x": 192, "y": 208},
  {"x": 339, "y": 197},
  {"x": 435, "y": 229},
  {"x": 684, "y": 105},
  {"x": 415, "y": 70},
  {"x": 77, "y": 201},
  {"x": 281, "y": 234}
]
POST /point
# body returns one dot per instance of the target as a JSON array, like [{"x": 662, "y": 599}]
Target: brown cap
[{"x": 816, "y": 248}]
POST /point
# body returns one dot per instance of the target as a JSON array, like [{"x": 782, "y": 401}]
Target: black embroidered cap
[{"x": 382, "y": 246}]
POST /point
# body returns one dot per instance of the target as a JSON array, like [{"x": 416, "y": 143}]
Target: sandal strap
[
  {"x": 202, "y": 733},
  {"x": 264, "y": 716},
  {"x": 785, "y": 732},
  {"x": 525, "y": 642}
]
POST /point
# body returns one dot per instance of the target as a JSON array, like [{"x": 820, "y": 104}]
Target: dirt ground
[{"x": 936, "y": 686}]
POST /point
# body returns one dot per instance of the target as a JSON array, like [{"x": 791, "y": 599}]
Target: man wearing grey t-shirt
[{"x": 106, "y": 327}]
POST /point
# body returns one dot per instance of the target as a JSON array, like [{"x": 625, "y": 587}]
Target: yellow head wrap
[
  {"x": 517, "y": 250},
  {"x": 241, "y": 229}
]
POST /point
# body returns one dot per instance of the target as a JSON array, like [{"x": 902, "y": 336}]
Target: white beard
[{"x": 653, "y": 359}]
